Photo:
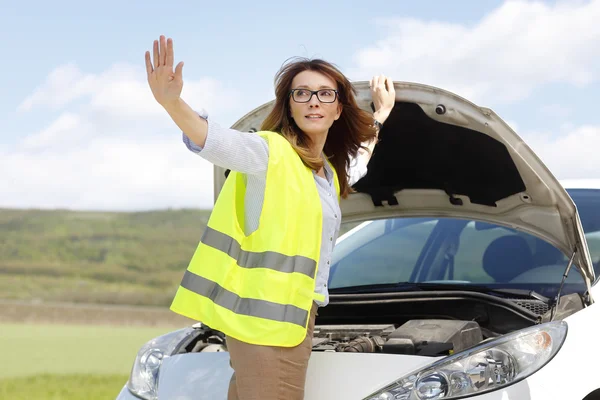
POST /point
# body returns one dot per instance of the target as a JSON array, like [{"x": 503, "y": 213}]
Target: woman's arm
[
  {"x": 365, "y": 154},
  {"x": 227, "y": 148},
  {"x": 384, "y": 98},
  {"x": 188, "y": 121},
  {"x": 357, "y": 169}
]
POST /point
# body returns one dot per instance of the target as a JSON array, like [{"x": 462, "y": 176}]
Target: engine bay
[
  {"x": 426, "y": 337},
  {"x": 386, "y": 327}
]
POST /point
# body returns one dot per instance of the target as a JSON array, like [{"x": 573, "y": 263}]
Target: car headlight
[
  {"x": 487, "y": 367},
  {"x": 143, "y": 380}
]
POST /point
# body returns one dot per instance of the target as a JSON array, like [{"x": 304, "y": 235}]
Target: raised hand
[
  {"x": 383, "y": 94},
  {"x": 165, "y": 83}
]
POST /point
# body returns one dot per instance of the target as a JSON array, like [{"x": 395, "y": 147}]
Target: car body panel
[
  {"x": 194, "y": 376},
  {"x": 125, "y": 394},
  {"x": 573, "y": 372},
  {"x": 343, "y": 375},
  {"x": 329, "y": 375}
]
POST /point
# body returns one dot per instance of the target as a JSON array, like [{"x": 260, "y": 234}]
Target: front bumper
[
  {"x": 125, "y": 394},
  {"x": 348, "y": 376}
]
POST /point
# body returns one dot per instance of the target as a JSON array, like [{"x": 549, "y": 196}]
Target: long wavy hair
[{"x": 345, "y": 137}]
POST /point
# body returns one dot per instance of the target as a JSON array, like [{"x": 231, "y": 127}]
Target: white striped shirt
[{"x": 249, "y": 154}]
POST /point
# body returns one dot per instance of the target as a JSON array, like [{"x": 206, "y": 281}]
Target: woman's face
[{"x": 314, "y": 117}]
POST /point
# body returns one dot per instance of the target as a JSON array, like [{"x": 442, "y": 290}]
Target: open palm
[{"x": 165, "y": 83}]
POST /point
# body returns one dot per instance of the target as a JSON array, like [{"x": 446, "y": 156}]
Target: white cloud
[
  {"x": 107, "y": 173},
  {"x": 122, "y": 92},
  {"x": 503, "y": 57},
  {"x": 111, "y": 145},
  {"x": 63, "y": 85},
  {"x": 571, "y": 154},
  {"x": 57, "y": 133}
]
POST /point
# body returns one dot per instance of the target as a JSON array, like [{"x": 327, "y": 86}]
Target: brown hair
[{"x": 346, "y": 135}]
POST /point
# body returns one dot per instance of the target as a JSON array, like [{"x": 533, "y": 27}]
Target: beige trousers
[{"x": 270, "y": 372}]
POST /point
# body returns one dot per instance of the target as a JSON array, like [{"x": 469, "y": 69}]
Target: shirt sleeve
[
  {"x": 231, "y": 149},
  {"x": 357, "y": 169}
]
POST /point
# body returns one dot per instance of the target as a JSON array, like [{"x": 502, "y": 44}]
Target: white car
[{"x": 466, "y": 273}]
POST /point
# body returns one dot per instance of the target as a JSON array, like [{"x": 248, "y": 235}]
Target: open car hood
[{"x": 441, "y": 155}]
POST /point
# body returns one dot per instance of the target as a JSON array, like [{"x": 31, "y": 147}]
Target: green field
[
  {"x": 68, "y": 362},
  {"x": 133, "y": 258},
  {"x": 62, "y": 387}
]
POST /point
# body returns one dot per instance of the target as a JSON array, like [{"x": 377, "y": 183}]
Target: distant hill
[{"x": 99, "y": 257}]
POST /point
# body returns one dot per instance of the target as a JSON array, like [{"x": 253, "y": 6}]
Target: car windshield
[{"x": 459, "y": 251}]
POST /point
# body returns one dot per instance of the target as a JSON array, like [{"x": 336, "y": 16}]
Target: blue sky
[{"x": 81, "y": 130}]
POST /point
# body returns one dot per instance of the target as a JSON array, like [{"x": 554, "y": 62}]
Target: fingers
[
  {"x": 382, "y": 92},
  {"x": 149, "y": 68},
  {"x": 390, "y": 85},
  {"x": 155, "y": 54},
  {"x": 163, "y": 54},
  {"x": 170, "y": 56},
  {"x": 382, "y": 83},
  {"x": 179, "y": 71},
  {"x": 163, "y": 51}
]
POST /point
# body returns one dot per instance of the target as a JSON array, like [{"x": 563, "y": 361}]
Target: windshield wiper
[
  {"x": 532, "y": 294},
  {"x": 414, "y": 286},
  {"x": 374, "y": 286}
]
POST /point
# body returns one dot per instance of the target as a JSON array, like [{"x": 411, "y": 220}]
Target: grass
[
  {"x": 39, "y": 349},
  {"x": 62, "y": 387},
  {"x": 68, "y": 362}
]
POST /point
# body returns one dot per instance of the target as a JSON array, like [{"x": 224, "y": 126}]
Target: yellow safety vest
[{"x": 259, "y": 288}]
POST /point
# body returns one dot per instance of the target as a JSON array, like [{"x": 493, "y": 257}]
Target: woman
[{"x": 261, "y": 268}]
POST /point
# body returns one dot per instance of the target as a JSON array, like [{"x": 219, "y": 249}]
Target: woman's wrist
[{"x": 381, "y": 115}]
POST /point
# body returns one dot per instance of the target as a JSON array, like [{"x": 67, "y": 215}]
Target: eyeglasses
[{"x": 304, "y": 95}]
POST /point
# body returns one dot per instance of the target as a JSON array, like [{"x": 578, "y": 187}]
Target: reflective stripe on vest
[
  {"x": 252, "y": 307},
  {"x": 266, "y": 259},
  {"x": 259, "y": 288}
]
